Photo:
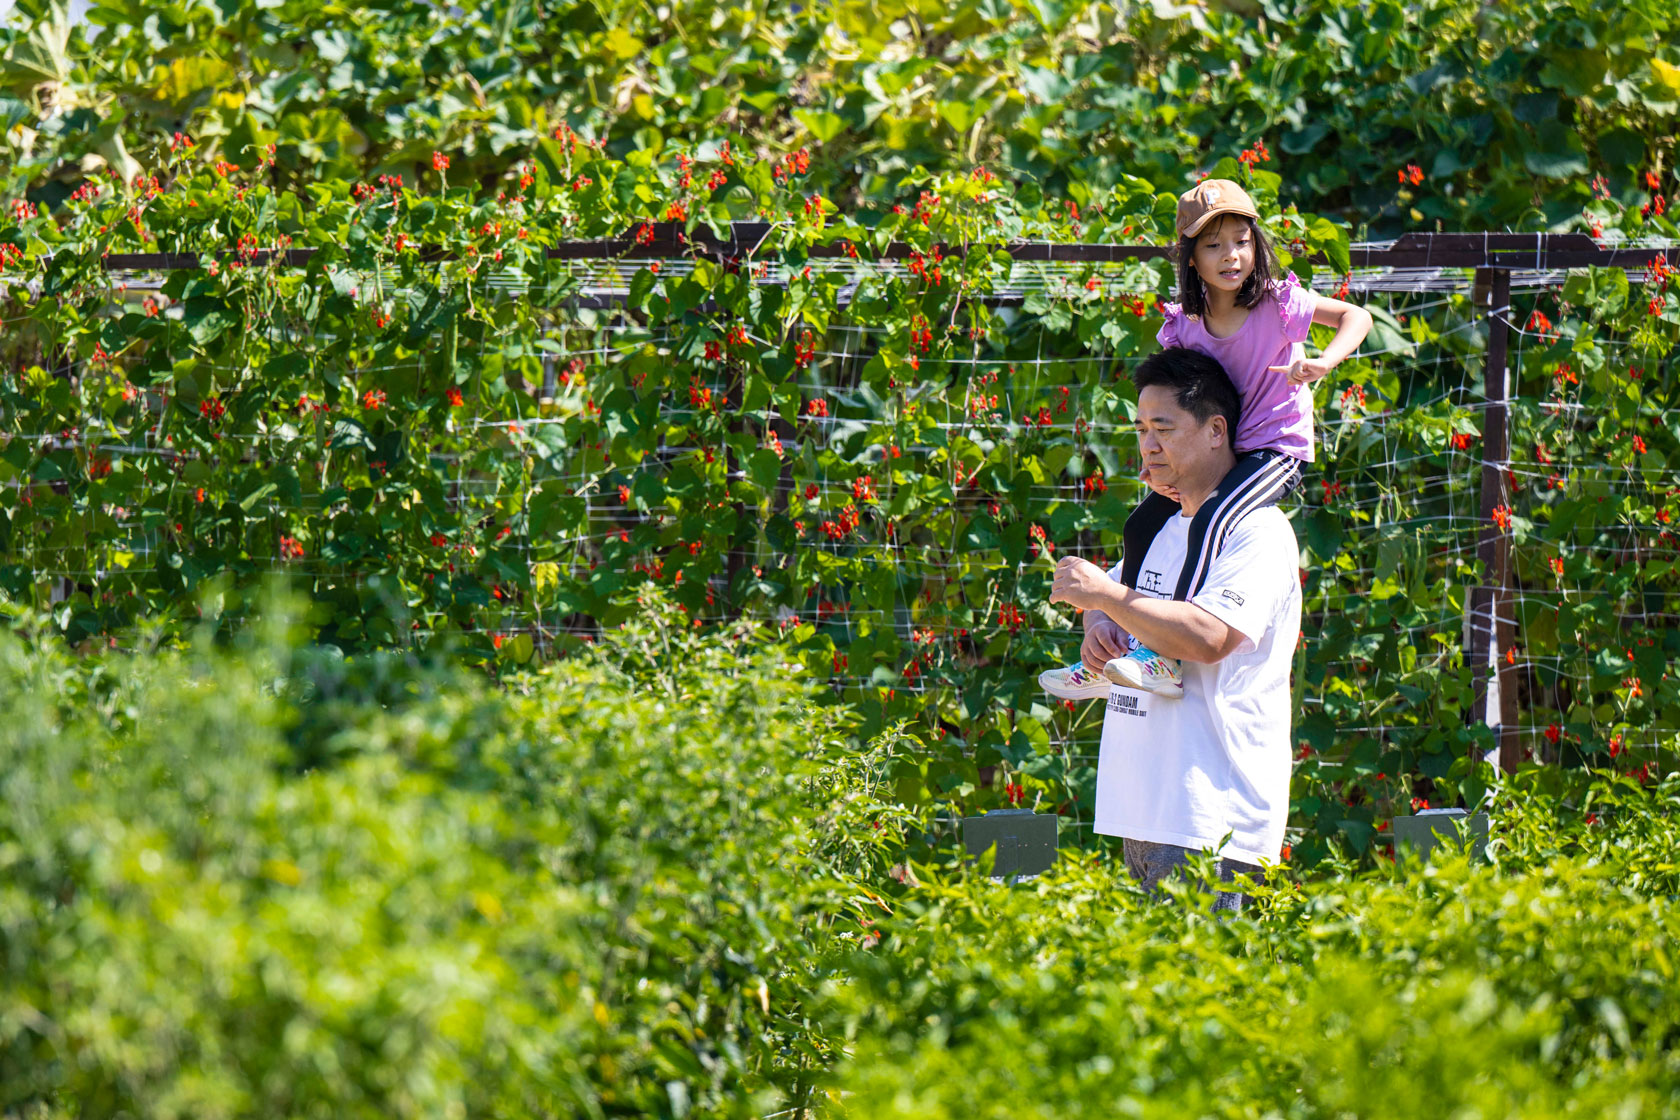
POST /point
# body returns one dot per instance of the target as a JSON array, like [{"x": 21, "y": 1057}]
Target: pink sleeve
[
  {"x": 1168, "y": 334},
  {"x": 1295, "y": 308}
]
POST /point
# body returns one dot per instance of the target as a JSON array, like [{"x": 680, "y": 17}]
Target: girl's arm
[{"x": 1352, "y": 324}]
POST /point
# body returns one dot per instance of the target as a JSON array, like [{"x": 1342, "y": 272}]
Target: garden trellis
[{"x": 881, "y": 443}]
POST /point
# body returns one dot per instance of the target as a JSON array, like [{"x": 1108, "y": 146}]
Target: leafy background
[
  {"x": 1508, "y": 109},
  {"x": 472, "y": 460},
  {"x": 885, "y": 456}
]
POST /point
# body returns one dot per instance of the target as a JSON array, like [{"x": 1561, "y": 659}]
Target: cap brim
[{"x": 1218, "y": 211}]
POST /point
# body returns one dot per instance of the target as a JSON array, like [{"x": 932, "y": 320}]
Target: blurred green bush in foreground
[
  {"x": 652, "y": 882},
  {"x": 585, "y": 896}
]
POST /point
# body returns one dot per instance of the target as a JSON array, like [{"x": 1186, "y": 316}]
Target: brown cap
[{"x": 1209, "y": 198}]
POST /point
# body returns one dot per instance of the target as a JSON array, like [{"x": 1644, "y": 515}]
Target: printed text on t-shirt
[{"x": 1125, "y": 705}]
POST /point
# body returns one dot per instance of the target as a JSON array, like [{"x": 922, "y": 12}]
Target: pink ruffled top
[{"x": 1275, "y": 414}]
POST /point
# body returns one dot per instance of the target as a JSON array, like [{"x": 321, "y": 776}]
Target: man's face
[{"x": 1177, "y": 450}]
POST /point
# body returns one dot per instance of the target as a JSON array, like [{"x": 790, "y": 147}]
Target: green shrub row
[
  {"x": 277, "y": 885},
  {"x": 1448, "y": 991},
  {"x": 661, "y": 882}
]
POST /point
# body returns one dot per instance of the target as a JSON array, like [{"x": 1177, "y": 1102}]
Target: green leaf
[
  {"x": 824, "y": 126},
  {"x": 1558, "y": 154},
  {"x": 207, "y": 319}
]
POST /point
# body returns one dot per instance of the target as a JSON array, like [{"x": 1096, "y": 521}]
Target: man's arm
[{"x": 1181, "y": 630}]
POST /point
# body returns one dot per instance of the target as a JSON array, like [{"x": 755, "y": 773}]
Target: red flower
[
  {"x": 1553, "y": 733},
  {"x": 1502, "y": 517},
  {"x": 1651, "y": 181},
  {"x": 440, "y": 162},
  {"x": 811, "y": 492},
  {"x": 1463, "y": 440},
  {"x": 373, "y": 398},
  {"x": 453, "y": 396},
  {"x": 1419, "y": 803}
]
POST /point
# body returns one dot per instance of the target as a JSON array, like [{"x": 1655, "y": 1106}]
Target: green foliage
[
  {"x": 451, "y": 454},
  {"x": 1545, "y": 988},
  {"x": 593, "y": 895},
  {"x": 660, "y": 882},
  {"x": 1506, "y": 109}
]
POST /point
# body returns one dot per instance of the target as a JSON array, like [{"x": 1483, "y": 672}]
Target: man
[{"x": 1209, "y": 771}]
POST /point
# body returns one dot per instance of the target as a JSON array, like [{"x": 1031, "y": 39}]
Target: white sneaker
[
  {"x": 1147, "y": 671},
  {"x": 1074, "y": 683}
]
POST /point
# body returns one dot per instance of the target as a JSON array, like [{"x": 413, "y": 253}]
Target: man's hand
[
  {"x": 1104, "y": 641},
  {"x": 1079, "y": 583},
  {"x": 1305, "y": 371}
]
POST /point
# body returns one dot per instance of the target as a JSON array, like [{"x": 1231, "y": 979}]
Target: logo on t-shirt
[
  {"x": 1151, "y": 582},
  {"x": 1125, "y": 704},
  {"x": 1231, "y": 595}
]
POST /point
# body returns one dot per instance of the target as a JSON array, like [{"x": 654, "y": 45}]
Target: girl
[{"x": 1232, "y": 309}]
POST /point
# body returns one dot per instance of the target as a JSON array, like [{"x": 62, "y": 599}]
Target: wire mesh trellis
[{"x": 1399, "y": 484}]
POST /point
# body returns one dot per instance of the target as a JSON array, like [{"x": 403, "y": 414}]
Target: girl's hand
[
  {"x": 1163, "y": 490},
  {"x": 1305, "y": 371}
]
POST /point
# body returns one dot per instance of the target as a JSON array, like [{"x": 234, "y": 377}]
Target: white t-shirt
[{"x": 1217, "y": 762}]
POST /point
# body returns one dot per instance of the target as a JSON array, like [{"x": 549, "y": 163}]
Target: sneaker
[
  {"x": 1147, "y": 671},
  {"x": 1074, "y": 683}
]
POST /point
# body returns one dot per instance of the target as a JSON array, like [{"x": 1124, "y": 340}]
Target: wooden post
[{"x": 1492, "y": 629}]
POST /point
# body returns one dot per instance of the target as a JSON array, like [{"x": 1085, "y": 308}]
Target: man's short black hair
[{"x": 1198, "y": 382}]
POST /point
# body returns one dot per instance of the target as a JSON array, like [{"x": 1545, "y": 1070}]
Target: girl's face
[{"x": 1225, "y": 253}]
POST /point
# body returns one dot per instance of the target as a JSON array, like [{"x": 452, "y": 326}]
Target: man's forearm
[{"x": 1169, "y": 628}]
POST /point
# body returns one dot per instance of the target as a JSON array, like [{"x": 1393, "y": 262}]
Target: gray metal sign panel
[{"x": 1025, "y": 840}]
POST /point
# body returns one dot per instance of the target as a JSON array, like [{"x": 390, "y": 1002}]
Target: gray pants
[{"x": 1149, "y": 863}]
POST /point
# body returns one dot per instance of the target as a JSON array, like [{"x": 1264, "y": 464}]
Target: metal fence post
[{"x": 1492, "y": 630}]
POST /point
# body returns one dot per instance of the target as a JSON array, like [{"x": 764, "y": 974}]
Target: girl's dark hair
[{"x": 1259, "y": 281}]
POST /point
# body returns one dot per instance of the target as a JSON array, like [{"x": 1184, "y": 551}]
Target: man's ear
[{"x": 1217, "y": 426}]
